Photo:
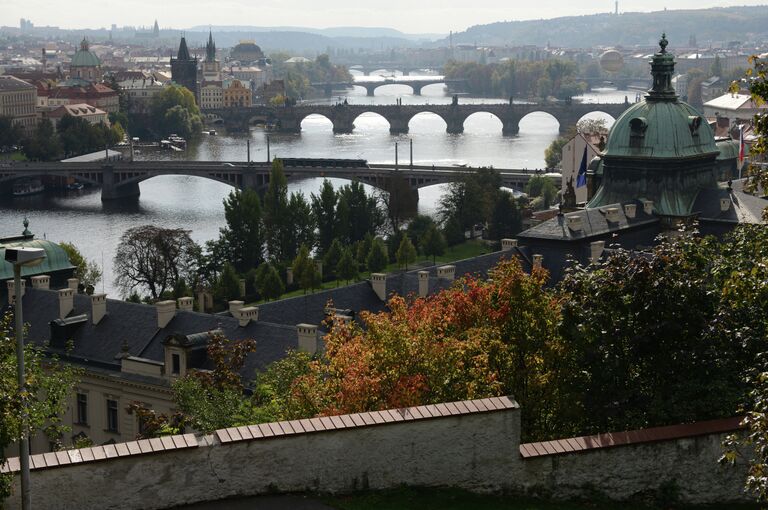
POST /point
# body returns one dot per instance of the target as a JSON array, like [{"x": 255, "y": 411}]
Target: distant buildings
[
  {"x": 737, "y": 108},
  {"x": 85, "y": 65},
  {"x": 18, "y": 100},
  {"x": 237, "y": 96},
  {"x": 81, "y": 111}
]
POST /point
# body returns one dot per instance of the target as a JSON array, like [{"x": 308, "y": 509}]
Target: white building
[
  {"x": 734, "y": 107},
  {"x": 141, "y": 92},
  {"x": 573, "y": 153}
]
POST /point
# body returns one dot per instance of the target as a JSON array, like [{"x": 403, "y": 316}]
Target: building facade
[
  {"x": 237, "y": 95},
  {"x": 18, "y": 100},
  {"x": 83, "y": 111},
  {"x": 211, "y": 95}
]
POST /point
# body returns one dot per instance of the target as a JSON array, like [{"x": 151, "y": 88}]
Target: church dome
[
  {"x": 84, "y": 57},
  {"x": 56, "y": 259}
]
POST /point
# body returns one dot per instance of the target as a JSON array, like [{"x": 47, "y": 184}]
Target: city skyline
[{"x": 452, "y": 15}]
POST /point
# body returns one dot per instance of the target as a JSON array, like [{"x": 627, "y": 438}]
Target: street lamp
[{"x": 22, "y": 257}]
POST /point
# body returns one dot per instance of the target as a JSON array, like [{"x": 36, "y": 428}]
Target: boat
[
  {"x": 75, "y": 186},
  {"x": 28, "y": 187},
  {"x": 212, "y": 132}
]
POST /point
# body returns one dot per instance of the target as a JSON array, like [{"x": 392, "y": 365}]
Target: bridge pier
[
  {"x": 416, "y": 90},
  {"x": 510, "y": 127},
  {"x": 455, "y": 126},
  {"x": 113, "y": 192},
  {"x": 343, "y": 126},
  {"x": 398, "y": 126},
  {"x": 370, "y": 90}
]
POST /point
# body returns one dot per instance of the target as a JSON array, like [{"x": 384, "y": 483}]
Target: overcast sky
[{"x": 420, "y": 16}]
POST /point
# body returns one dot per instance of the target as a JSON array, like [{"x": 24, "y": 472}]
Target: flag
[{"x": 581, "y": 177}]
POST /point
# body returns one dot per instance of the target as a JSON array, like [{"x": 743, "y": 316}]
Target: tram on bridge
[{"x": 324, "y": 163}]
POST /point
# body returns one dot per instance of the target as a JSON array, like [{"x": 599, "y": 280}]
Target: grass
[
  {"x": 466, "y": 250},
  {"x": 13, "y": 156},
  {"x": 410, "y": 498}
]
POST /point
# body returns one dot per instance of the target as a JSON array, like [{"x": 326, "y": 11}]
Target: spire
[
  {"x": 662, "y": 69},
  {"x": 156, "y": 29},
  {"x": 183, "y": 50},
  {"x": 84, "y": 44},
  {"x": 210, "y": 48}
]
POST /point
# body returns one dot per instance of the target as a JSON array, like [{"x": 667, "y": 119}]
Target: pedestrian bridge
[
  {"x": 371, "y": 85},
  {"x": 120, "y": 179}
]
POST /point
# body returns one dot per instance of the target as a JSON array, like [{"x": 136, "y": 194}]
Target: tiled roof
[
  {"x": 9, "y": 83},
  {"x": 611, "y": 439}
]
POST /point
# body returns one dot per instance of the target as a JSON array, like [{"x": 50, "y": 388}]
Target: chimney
[
  {"x": 446, "y": 272},
  {"x": 165, "y": 312},
  {"x": 186, "y": 303},
  {"x": 246, "y": 315},
  {"x": 98, "y": 307},
  {"x": 596, "y": 250},
  {"x": 423, "y": 283},
  {"x": 537, "y": 259},
  {"x": 630, "y": 210},
  {"x": 66, "y": 302},
  {"x": 234, "y": 306},
  {"x": 41, "y": 282},
  {"x": 574, "y": 222},
  {"x": 379, "y": 284},
  {"x": 319, "y": 269},
  {"x": 725, "y": 205},
  {"x": 289, "y": 276},
  {"x": 12, "y": 292},
  {"x": 612, "y": 214},
  {"x": 648, "y": 206},
  {"x": 508, "y": 244},
  {"x": 72, "y": 283},
  {"x": 307, "y": 337}
]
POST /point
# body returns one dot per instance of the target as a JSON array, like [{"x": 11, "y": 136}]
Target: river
[{"x": 196, "y": 204}]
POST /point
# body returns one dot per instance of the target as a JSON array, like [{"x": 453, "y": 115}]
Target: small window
[
  {"x": 82, "y": 409},
  {"x": 176, "y": 362},
  {"x": 112, "y": 415}
]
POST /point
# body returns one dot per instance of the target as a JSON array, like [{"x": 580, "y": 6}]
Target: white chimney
[
  {"x": 234, "y": 306},
  {"x": 379, "y": 284},
  {"x": 66, "y": 302},
  {"x": 289, "y": 276},
  {"x": 630, "y": 210},
  {"x": 725, "y": 205},
  {"x": 537, "y": 259},
  {"x": 596, "y": 251},
  {"x": 508, "y": 244},
  {"x": 165, "y": 312},
  {"x": 42, "y": 281},
  {"x": 72, "y": 283},
  {"x": 307, "y": 337},
  {"x": 423, "y": 283},
  {"x": 246, "y": 315},
  {"x": 12, "y": 291},
  {"x": 574, "y": 222},
  {"x": 446, "y": 272},
  {"x": 98, "y": 307},
  {"x": 648, "y": 207},
  {"x": 612, "y": 214},
  {"x": 186, "y": 303}
]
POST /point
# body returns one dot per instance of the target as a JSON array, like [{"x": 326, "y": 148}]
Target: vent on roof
[
  {"x": 574, "y": 222},
  {"x": 63, "y": 330},
  {"x": 612, "y": 214}
]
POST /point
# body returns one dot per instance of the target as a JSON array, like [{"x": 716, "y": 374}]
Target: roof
[
  {"x": 11, "y": 83},
  {"x": 733, "y": 102},
  {"x": 93, "y": 156},
  {"x": 76, "y": 110},
  {"x": 742, "y": 208},
  {"x": 84, "y": 57},
  {"x": 56, "y": 258},
  {"x": 183, "y": 50}
]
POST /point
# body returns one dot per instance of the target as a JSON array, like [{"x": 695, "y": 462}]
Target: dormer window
[
  {"x": 637, "y": 127},
  {"x": 694, "y": 123}
]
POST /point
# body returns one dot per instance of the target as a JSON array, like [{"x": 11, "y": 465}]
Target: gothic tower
[{"x": 184, "y": 68}]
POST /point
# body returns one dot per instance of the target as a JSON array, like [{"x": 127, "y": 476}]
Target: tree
[
  {"x": 419, "y": 226},
  {"x": 332, "y": 256},
  {"x": 470, "y": 200},
  {"x": 87, "y": 271},
  {"x": 153, "y": 258},
  {"x": 433, "y": 242},
  {"x": 406, "y": 253},
  {"x": 506, "y": 220},
  {"x": 399, "y": 201},
  {"x": 243, "y": 237},
  {"x": 377, "y": 259},
  {"x": 453, "y": 232},
  {"x": 277, "y": 227},
  {"x": 44, "y": 145},
  {"x": 228, "y": 285},
  {"x": 304, "y": 270},
  {"x": 176, "y": 109},
  {"x": 357, "y": 213},
  {"x": 541, "y": 187},
  {"x": 269, "y": 283},
  {"x": 364, "y": 248},
  {"x": 324, "y": 209},
  {"x": 11, "y": 134},
  {"x": 49, "y": 385},
  {"x": 346, "y": 268},
  {"x": 757, "y": 175},
  {"x": 303, "y": 223}
]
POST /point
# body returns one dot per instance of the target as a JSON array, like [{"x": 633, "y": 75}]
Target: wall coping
[
  {"x": 628, "y": 438},
  {"x": 261, "y": 431}
]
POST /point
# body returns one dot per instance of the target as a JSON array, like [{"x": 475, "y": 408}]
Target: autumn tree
[
  {"x": 86, "y": 271},
  {"x": 154, "y": 259}
]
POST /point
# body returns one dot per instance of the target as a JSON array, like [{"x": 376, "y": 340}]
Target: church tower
[
  {"x": 184, "y": 68},
  {"x": 211, "y": 66}
]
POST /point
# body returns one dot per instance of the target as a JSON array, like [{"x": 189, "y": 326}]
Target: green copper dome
[{"x": 84, "y": 57}]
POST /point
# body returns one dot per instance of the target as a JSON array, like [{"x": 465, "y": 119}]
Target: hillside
[{"x": 715, "y": 26}]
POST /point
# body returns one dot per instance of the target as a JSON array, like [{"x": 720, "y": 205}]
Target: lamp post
[{"x": 22, "y": 257}]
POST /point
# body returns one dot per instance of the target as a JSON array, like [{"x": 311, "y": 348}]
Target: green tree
[
  {"x": 406, "y": 253},
  {"x": 87, "y": 271},
  {"x": 453, "y": 232},
  {"x": 49, "y": 385},
  {"x": 470, "y": 199},
  {"x": 541, "y": 187},
  {"x": 418, "y": 226},
  {"x": 176, "y": 109},
  {"x": 432, "y": 242},
  {"x": 228, "y": 286},
  {"x": 357, "y": 213},
  {"x": 269, "y": 283},
  {"x": 377, "y": 259},
  {"x": 364, "y": 248},
  {"x": 11, "y": 133},
  {"x": 44, "y": 145},
  {"x": 304, "y": 270},
  {"x": 243, "y": 237},
  {"x": 324, "y": 209},
  {"x": 346, "y": 268},
  {"x": 506, "y": 220},
  {"x": 303, "y": 222},
  {"x": 332, "y": 256},
  {"x": 277, "y": 228}
]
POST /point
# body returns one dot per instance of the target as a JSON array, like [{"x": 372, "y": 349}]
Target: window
[
  {"x": 112, "y": 415},
  {"x": 176, "y": 362},
  {"x": 82, "y": 409}
]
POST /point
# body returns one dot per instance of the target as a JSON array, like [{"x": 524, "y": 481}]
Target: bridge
[
  {"x": 288, "y": 119},
  {"x": 371, "y": 85},
  {"x": 406, "y": 69},
  {"x": 120, "y": 179}
]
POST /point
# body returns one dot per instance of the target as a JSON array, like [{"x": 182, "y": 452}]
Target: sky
[{"x": 421, "y": 16}]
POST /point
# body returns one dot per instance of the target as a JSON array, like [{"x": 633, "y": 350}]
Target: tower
[
  {"x": 211, "y": 67},
  {"x": 184, "y": 68},
  {"x": 156, "y": 30}
]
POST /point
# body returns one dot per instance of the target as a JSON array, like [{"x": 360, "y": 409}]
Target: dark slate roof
[
  {"x": 135, "y": 326},
  {"x": 594, "y": 224},
  {"x": 744, "y": 208}
]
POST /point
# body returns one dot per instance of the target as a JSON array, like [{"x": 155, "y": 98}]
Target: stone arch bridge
[
  {"x": 371, "y": 85},
  {"x": 120, "y": 179},
  {"x": 288, "y": 119}
]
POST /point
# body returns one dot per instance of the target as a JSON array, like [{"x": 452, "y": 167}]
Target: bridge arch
[
  {"x": 547, "y": 121},
  {"x": 370, "y": 120},
  {"x": 598, "y": 114},
  {"x": 478, "y": 122},
  {"x": 424, "y": 120},
  {"x": 319, "y": 119}
]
